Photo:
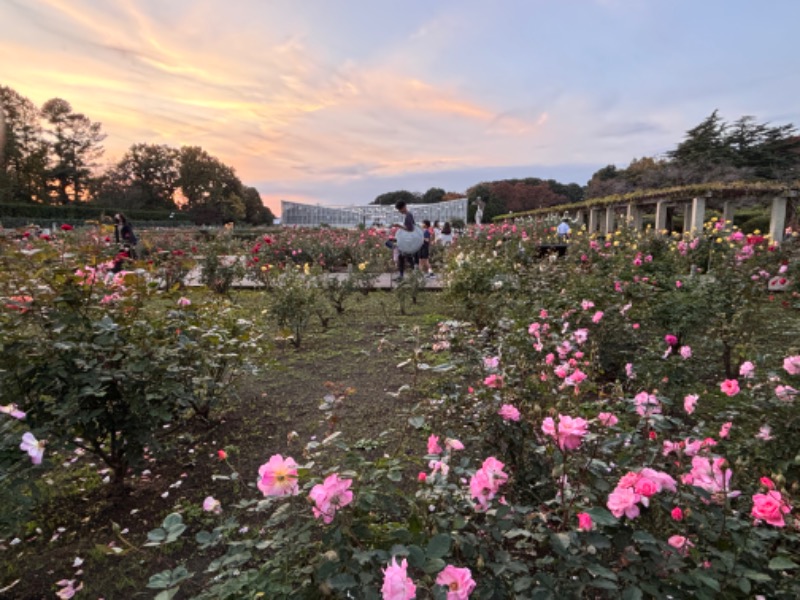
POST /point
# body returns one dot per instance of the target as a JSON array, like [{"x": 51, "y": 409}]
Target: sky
[{"x": 337, "y": 101}]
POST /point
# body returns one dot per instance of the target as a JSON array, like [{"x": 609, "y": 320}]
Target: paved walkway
[{"x": 384, "y": 281}]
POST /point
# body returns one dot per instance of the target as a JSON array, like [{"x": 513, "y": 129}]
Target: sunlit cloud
[{"x": 305, "y": 101}]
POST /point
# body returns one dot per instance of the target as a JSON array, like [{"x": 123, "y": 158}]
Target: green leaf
[
  {"x": 434, "y": 565},
  {"x": 643, "y": 537},
  {"x": 601, "y": 516},
  {"x": 632, "y": 593},
  {"x": 782, "y": 563},
  {"x": 439, "y": 546},
  {"x": 560, "y": 541},
  {"x": 417, "y": 422},
  {"x": 708, "y": 581}
]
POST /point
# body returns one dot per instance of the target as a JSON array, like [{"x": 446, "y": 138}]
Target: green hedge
[{"x": 47, "y": 214}]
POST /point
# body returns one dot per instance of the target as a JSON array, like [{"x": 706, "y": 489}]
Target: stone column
[
  {"x": 687, "y": 218},
  {"x": 698, "y": 214},
  {"x": 777, "y": 219},
  {"x": 580, "y": 218},
  {"x": 661, "y": 215},
  {"x": 634, "y": 216},
  {"x": 727, "y": 213},
  {"x": 610, "y": 221},
  {"x": 594, "y": 218}
]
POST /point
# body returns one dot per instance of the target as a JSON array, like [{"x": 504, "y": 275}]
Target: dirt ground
[{"x": 275, "y": 411}]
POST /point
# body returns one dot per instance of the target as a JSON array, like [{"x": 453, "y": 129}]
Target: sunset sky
[{"x": 337, "y": 101}]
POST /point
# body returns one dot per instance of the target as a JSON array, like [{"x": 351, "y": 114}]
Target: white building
[{"x": 295, "y": 214}]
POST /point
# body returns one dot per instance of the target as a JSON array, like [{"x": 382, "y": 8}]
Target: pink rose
[
  {"x": 433, "y": 445},
  {"x": 725, "y": 429},
  {"x": 747, "y": 369},
  {"x": 729, "y": 387},
  {"x": 607, "y": 419},
  {"x": 689, "y": 403},
  {"x": 549, "y": 427},
  {"x": 767, "y": 483},
  {"x": 493, "y": 381},
  {"x": 622, "y": 501},
  {"x": 770, "y": 507},
  {"x": 686, "y": 352},
  {"x": 645, "y": 487},
  {"x": 597, "y": 316},
  {"x": 585, "y": 522},
  {"x": 677, "y": 514},
  {"x": 792, "y": 364},
  {"x": 508, "y": 412},
  {"x": 397, "y": 585},
  {"x": 458, "y": 581},
  {"x": 670, "y": 339}
]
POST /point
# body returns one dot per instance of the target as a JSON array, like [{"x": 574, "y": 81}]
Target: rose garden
[{"x": 620, "y": 422}]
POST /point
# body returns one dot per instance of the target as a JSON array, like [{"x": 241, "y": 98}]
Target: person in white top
[{"x": 445, "y": 238}]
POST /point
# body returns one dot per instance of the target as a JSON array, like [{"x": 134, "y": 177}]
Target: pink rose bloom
[
  {"x": 581, "y": 335},
  {"x": 549, "y": 427},
  {"x": 561, "y": 371},
  {"x": 596, "y": 317},
  {"x": 585, "y": 522},
  {"x": 645, "y": 487},
  {"x": 629, "y": 371},
  {"x": 792, "y": 364},
  {"x": 330, "y": 496},
  {"x": 571, "y": 432},
  {"x": 689, "y": 403},
  {"x": 211, "y": 504},
  {"x": 635, "y": 326},
  {"x": 767, "y": 483},
  {"x": 278, "y": 477},
  {"x": 646, "y": 404},
  {"x": 397, "y": 585},
  {"x": 486, "y": 482},
  {"x": 670, "y": 447},
  {"x": 422, "y": 476},
  {"x": 764, "y": 433},
  {"x": 575, "y": 378},
  {"x": 534, "y": 329},
  {"x": 459, "y": 582},
  {"x": 493, "y": 381},
  {"x": 725, "y": 429},
  {"x": 770, "y": 507},
  {"x": 550, "y": 359},
  {"x": 662, "y": 480},
  {"x": 491, "y": 363},
  {"x": 680, "y": 543},
  {"x": 184, "y": 301},
  {"x": 678, "y": 284},
  {"x": 628, "y": 480},
  {"x": 729, "y": 387},
  {"x": 677, "y": 514},
  {"x": 747, "y": 370},
  {"x": 34, "y": 447},
  {"x": 623, "y": 501},
  {"x": 453, "y": 444},
  {"x": 543, "y": 314},
  {"x": 12, "y": 411},
  {"x": 587, "y": 304},
  {"x": 785, "y": 393},
  {"x": 433, "y": 445},
  {"x": 508, "y": 412},
  {"x": 686, "y": 352},
  {"x": 607, "y": 419},
  {"x": 670, "y": 339}
]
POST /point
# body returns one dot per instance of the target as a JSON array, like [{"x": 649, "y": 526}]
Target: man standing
[{"x": 563, "y": 230}]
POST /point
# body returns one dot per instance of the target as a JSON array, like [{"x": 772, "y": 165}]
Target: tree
[
  {"x": 256, "y": 213},
  {"x": 433, "y": 195},
  {"x": 704, "y": 144},
  {"x": 76, "y": 144},
  {"x": 212, "y": 190},
  {"x": 147, "y": 176},
  {"x": 22, "y": 170},
  {"x": 391, "y": 198}
]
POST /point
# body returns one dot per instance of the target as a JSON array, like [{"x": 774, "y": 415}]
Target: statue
[{"x": 479, "y": 213}]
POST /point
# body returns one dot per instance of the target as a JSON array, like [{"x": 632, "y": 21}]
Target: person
[
  {"x": 123, "y": 234},
  {"x": 437, "y": 230},
  {"x": 563, "y": 230},
  {"x": 445, "y": 238},
  {"x": 408, "y": 225},
  {"x": 424, "y": 253}
]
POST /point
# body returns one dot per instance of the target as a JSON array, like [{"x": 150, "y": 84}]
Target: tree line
[
  {"x": 50, "y": 157},
  {"x": 714, "y": 150}
]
